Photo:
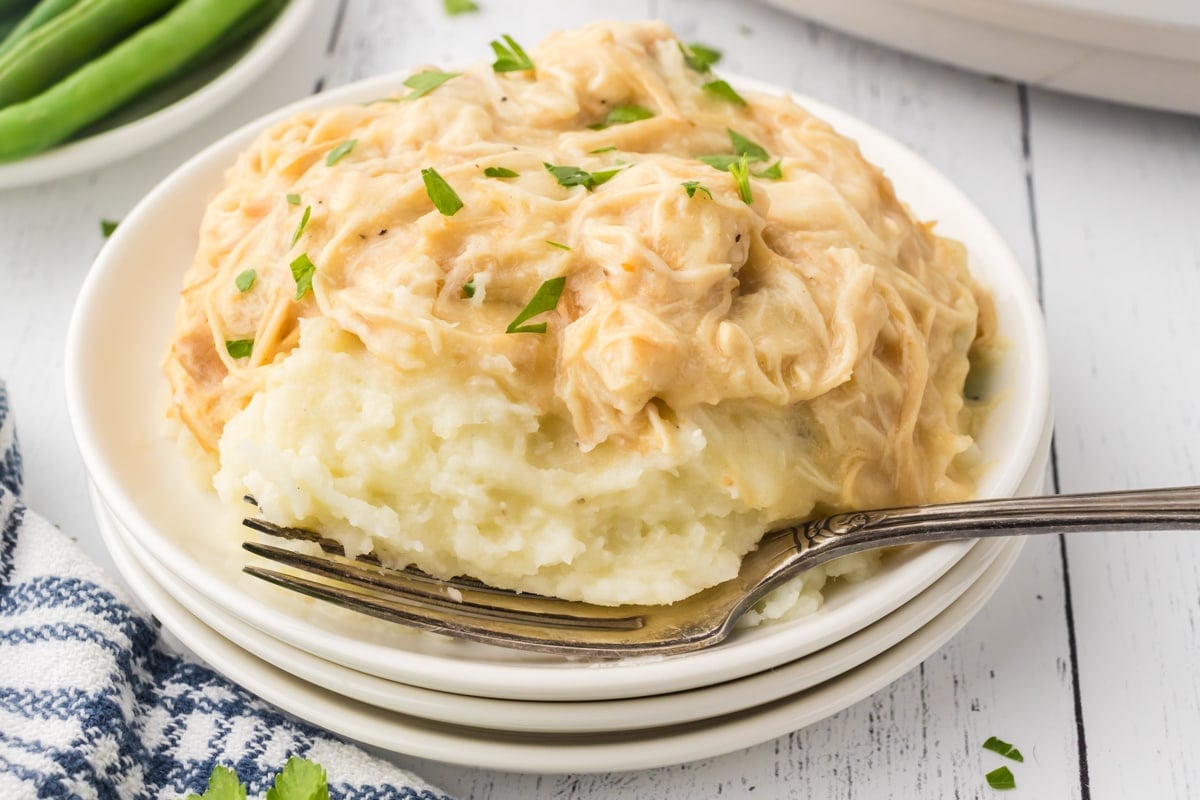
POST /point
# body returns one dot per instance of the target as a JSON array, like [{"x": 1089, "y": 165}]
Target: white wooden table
[{"x": 1087, "y": 657}]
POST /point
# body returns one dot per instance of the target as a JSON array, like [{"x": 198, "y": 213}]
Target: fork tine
[
  {"x": 502, "y": 631},
  {"x": 334, "y": 548},
  {"x": 428, "y": 594}
]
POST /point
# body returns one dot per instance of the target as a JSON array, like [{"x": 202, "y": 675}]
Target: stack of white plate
[{"x": 468, "y": 703}]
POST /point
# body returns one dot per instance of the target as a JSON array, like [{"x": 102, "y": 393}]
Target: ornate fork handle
[{"x": 1152, "y": 509}]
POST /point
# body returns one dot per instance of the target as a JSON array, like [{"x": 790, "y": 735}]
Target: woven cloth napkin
[{"x": 93, "y": 704}]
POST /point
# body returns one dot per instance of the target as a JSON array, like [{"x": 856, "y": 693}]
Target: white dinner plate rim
[
  {"x": 567, "y": 716},
  {"x": 558, "y": 753},
  {"x": 562, "y": 716},
  {"x": 556, "y": 681},
  {"x": 136, "y": 135}
]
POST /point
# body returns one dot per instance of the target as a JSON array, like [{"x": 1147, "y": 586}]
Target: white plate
[
  {"x": 1145, "y": 52},
  {"x": 575, "y": 717},
  {"x": 558, "y": 752},
  {"x": 163, "y": 113},
  {"x": 567, "y": 716},
  {"x": 562, "y": 717},
  {"x": 115, "y": 397}
]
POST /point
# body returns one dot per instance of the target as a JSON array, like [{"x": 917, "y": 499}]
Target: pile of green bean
[{"x": 65, "y": 64}]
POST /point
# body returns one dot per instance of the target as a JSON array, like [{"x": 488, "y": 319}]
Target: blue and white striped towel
[{"x": 93, "y": 705}]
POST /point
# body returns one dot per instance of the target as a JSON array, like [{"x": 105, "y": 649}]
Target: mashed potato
[{"x": 731, "y": 347}]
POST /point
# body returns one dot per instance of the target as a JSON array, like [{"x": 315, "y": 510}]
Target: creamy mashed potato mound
[{"x": 717, "y": 361}]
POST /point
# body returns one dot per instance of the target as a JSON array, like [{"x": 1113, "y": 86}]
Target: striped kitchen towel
[{"x": 94, "y": 705}]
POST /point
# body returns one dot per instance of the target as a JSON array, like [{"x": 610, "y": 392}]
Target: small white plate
[
  {"x": 574, "y": 717},
  {"x": 557, "y": 752},
  {"x": 562, "y": 717},
  {"x": 115, "y": 396},
  {"x": 167, "y": 111}
]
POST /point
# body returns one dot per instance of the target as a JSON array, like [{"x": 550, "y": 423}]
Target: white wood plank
[{"x": 1119, "y": 193}]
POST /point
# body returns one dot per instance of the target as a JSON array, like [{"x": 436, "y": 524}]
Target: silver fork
[{"x": 468, "y": 609}]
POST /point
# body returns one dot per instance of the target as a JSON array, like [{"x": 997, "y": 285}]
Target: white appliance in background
[{"x": 1144, "y": 52}]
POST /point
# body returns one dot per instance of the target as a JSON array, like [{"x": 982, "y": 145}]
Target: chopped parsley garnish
[
  {"x": 239, "y": 348},
  {"x": 544, "y": 299},
  {"x": 599, "y": 150},
  {"x": 574, "y": 176},
  {"x": 340, "y": 152},
  {"x": 300, "y": 228},
  {"x": 500, "y": 172},
  {"x": 300, "y": 779},
  {"x": 293, "y": 199},
  {"x": 425, "y": 82},
  {"x": 773, "y": 172},
  {"x": 742, "y": 147},
  {"x": 699, "y": 57},
  {"x": 721, "y": 161},
  {"x": 724, "y": 91},
  {"x": 223, "y": 784},
  {"x": 620, "y": 115},
  {"x": 302, "y": 273},
  {"x": 456, "y": 7},
  {"x": 691, "y": 187},
  {"x": 444, "y": 198},
  {"x": 469, "y": 288},
  {"x": 245, "y": 281},
  {"x": 1003, "y": 748},
  {"x": 740, "y": 170},
  {"x": 107, "y": 226},
  {"x": 559, "y": 245},
  {"x": 510, "y": 57},
  {"x": 1001, "y": 778}
]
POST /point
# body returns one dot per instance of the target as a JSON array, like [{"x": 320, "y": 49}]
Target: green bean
[
  {"x": 69, "y": 41},
  {"x": 97, "y": 88},
  {"x": 42, "y": 13},
  {"x": 246, "y": 27}
]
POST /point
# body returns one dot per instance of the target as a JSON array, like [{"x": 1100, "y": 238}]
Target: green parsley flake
[
  {"x": 300, "y": 228},
  {"x": 500, "y": 172},
  {"x": 293, "y": 199},
  {"x": 741, "y": 176},
  {"x": 773, "y": 172},
  {"x": 300, "y": 779},
  {"x": 621, "y": 115},
  {"x": 239, "y": 348},
  {"x": 456, "y": 7},
  {"x": 559, "y": 245},
  {"x": 741, "y": 147},
  {"x": 544, "y": 299},
  {"x": 699, "y": 57},
  {"x": 302, "y": 273},
  {"x": 574, "y": 176},
  {"x": 510, "y": 58},
  {"x": 724, "y": 91},
  {"x": 444, "y": 198},
  {"x": 107, "y": 226},
  {"x": 744, "y": 147},
  {"x": 340, "y": 152},
  {"x": 223, "y": 784},
  {"x": 245, "y": 281},
  {"x": 1001, "y": 778},
  {"x": 599, "y": 150},
  {"x": 425, "y": 82},
  {"x": 1003, "y": 748},
  {"x": 691, "y": 187},
  {"x": 469, "y": 288},
  {"x": 721, "y": 161}
]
